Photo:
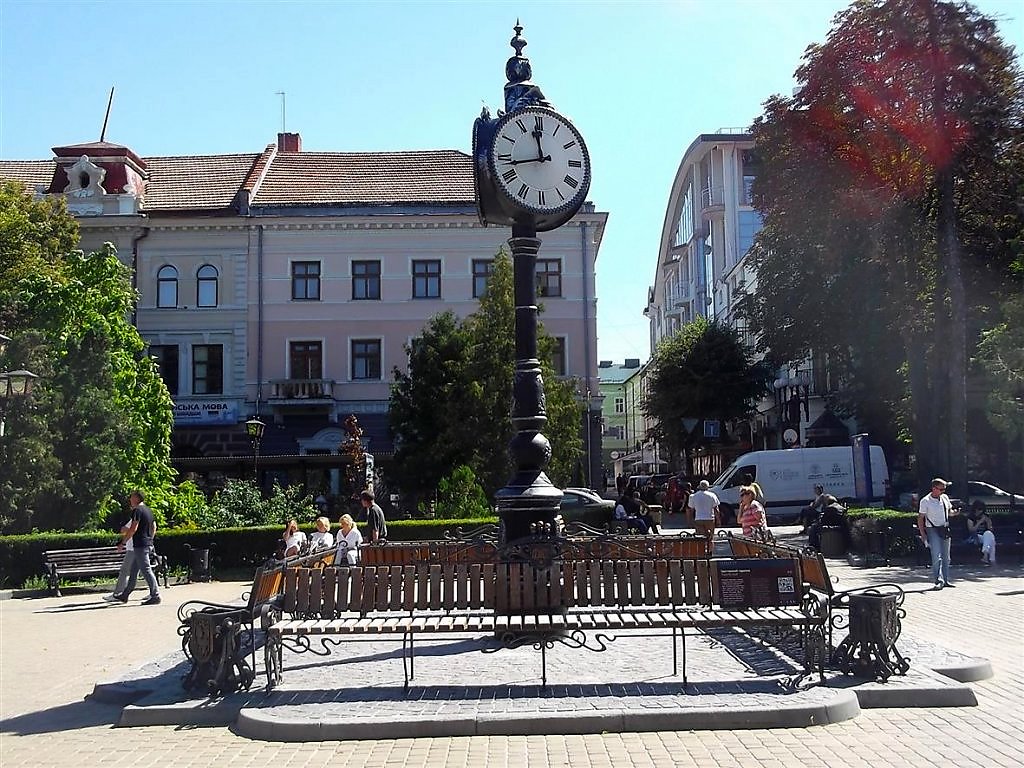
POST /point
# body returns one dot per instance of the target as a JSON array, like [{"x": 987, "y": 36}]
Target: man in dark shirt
[
  {"x": 377, "y": 527},
  {"x": 141, "y": 530}
]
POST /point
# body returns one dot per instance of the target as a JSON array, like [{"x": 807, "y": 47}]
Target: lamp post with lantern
[
  {"x": 792, "y": 394},
  {"x": 254, "y": 429},
  {"x": 13, "y": 384}
]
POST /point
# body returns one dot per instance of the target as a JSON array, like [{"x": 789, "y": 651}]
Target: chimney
[
  {"x": 632, "y": 362},
  {"x": 289, "y": 142}
]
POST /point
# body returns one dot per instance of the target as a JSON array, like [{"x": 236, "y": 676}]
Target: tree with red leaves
[{"x": 890, "y": 188}]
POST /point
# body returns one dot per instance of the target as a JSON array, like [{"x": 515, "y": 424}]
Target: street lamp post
[
  {"x": 13, "y": 384},
  {"x": 254, "y": 428}
]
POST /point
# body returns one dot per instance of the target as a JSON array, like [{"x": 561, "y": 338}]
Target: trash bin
[
  {"x": 198, "y": 564},
  {"x": 832, "y": 543}
]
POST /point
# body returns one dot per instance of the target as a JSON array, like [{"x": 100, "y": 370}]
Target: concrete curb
[
  {"x": 266, "y": 724},
  {"x": 977, "y": 669}
]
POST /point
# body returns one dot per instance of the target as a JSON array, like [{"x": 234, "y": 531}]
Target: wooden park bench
[
  {"x": 93, "y": 561},
  {"x": 581, "y": 603},
  {"x": 594, "y": 545}
]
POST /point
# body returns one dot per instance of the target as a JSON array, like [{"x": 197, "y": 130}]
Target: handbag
[{"x": 942, "y": 530}]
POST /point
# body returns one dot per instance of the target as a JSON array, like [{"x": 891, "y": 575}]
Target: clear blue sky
[{"x": 640, "y": 79}]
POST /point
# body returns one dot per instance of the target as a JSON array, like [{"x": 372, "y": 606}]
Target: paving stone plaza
[{"x": 620, "y": 707}]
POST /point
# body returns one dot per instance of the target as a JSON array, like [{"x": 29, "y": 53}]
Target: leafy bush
[
  {"x": 241, "y": 504},
  {"x": 21, "y": 556},
  {"x": 461, "y": 495}
]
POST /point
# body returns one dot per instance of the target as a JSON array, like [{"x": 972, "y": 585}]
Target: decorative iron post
[{"x": 531, "y": 171}]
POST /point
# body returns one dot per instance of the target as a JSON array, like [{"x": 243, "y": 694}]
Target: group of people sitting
[
  {"x": 631, "y": 511},
  {"x": 294, "y": 542}
]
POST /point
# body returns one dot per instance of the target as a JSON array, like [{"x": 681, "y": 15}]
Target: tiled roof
[
  {"x": 373, "y": 178},
  {"x": 195, "y": 182},
  {"x": 213, "y": 182},
  {"x": 31, "y": 173}
]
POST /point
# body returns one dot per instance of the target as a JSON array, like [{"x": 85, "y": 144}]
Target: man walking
[
  {"x": 933, "y": 525},
  {"x": 141, "y": 530},
  {"x": 704, "y": 504}
]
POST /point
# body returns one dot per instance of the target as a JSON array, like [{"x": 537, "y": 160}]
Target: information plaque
[{"x": 756, "y": 582}]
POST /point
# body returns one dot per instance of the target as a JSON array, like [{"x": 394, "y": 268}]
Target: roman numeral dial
[{"x": 539, "y": 162}]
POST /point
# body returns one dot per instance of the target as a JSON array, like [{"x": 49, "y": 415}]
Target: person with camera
[{"x": 933, "y": 525}]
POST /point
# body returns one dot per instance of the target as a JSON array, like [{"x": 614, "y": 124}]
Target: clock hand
[
  {"x": 540, "y": 150},
  {"x": 545, "y": 158}
]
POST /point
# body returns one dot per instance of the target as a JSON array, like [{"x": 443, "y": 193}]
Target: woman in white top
[
  {"x": 349, "y": 539},
  {"x": 323, "y": 538},
  {"x": 294, "y": 539}
]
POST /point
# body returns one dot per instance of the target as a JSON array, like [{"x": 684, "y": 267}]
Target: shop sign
[{"x": 206, "y": 412}]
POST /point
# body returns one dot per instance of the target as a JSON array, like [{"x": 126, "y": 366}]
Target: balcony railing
[
  {"x": 712, "y": 198},
  {"x": 301, "y": 390}
]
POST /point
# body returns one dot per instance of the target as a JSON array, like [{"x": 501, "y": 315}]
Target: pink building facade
[{"x": 286, "y": 284}]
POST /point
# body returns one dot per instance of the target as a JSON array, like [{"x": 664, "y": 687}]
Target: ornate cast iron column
[{"x": 529, "y": 503}]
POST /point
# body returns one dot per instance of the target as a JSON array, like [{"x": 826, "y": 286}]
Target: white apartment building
[
  {"x": 702, "y": 267},
  {"x": 709, "y": 227},
  {"x": 285, "y": 284}
]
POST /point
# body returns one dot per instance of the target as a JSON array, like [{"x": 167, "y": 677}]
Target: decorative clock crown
[{"x": 519, "y": 91}]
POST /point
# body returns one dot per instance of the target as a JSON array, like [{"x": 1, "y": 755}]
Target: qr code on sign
[{"x": 786, "y": 584}]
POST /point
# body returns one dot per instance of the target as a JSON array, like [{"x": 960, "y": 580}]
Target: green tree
[
  {"x": 460, "y": 495},
  {"x": 889, "y": 188},
  {"x": 100, "y": 421},
  {"x": 703, "y": 371},
  {"x": 1001, "y": 353},
  {"x": 452, "y": 407}
]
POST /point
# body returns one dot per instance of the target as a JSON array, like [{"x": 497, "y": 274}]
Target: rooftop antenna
[
  {"x": 282, "y": 95},
  {"x": 106, "y": 117}
]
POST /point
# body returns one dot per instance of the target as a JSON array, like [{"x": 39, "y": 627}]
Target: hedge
[
  {"x": 902, "y": 528},
  {"x": 21, "y": 557}
]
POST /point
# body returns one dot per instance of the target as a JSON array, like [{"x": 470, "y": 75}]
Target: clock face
[{"x": 539, "y": 161}]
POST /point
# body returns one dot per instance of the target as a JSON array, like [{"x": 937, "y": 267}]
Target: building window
[
  {"x": 549, "y": 277},
  {"x": 620, "y": 405},
  {"x": 558, "y": 356},
  {"x": 305, "y": 359},
  {"x": 749, "y": 226},
  {"x": 366, "y": 359},
  {"x": 166, "y": 357},
  {"x": 207, "y": 369},
  {"x": 167, "y": 287},
  {"x": 365, "y": 280},
  {"x": 482, "y": 270},
  {"x": 206, "y": 286},
  {"x": 306, "y": 280},
  {"x": 426, "y": 279}
]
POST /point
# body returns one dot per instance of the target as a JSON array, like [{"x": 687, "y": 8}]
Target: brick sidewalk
[{"x": 983, "y": 616}]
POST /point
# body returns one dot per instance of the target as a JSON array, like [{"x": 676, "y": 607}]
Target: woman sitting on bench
[{"x": 979, "y": 532}]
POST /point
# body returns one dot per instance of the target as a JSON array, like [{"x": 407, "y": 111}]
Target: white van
[{"x": 788, "y": 477}]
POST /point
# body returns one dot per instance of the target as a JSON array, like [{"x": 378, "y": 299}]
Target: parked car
[
  {"x": 977, "y": 490},
  {"x": 586, "y": 506},
  {"x": 988, "y": 493}
]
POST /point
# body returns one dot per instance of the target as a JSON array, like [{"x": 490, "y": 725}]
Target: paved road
[{"x": 52, "y": 650}]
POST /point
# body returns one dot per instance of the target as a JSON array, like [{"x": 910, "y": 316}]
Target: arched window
[
  {"x": 206, "y": 286},
  {"x": 167, "y": 287}
]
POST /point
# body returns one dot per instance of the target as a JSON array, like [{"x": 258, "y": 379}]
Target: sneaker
[
  {"x": 122, "y": 598},
  {"x": 948, "y": 584},
  {"x": 939, "y": 584},
  {"x": 154, "y": 600},
  {"x": 111, "y": 598}
]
